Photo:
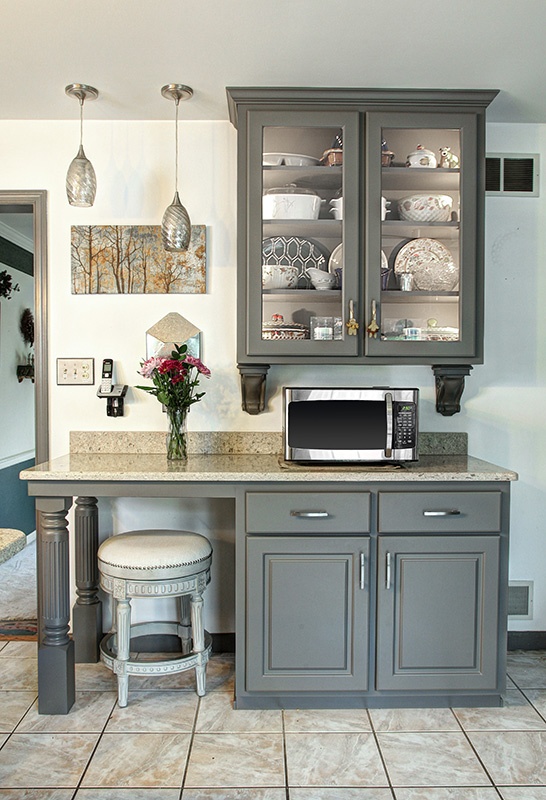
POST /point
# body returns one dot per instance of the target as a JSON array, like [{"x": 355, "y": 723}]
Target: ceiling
[{"x": 128, "y": 49}]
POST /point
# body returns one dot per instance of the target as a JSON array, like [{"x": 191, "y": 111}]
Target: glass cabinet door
[
  {"x": 421, "y": 247},
  {"x": 302, "y": 233}
]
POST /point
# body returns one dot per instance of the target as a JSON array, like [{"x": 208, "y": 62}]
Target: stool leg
[
  {"x": 124, "y": 639},
  {"x": 184, "y": 617},
  {"x": 198, "y": 640}
]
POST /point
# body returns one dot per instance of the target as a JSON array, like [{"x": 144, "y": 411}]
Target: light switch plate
[{"x": 75, "y": 371}]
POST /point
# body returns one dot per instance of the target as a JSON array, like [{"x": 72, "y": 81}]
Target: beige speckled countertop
[{"x": 244, "y": 468}]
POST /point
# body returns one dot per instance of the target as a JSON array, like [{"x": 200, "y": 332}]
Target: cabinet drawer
[
  {"x": 439, "y": 512},
  {"x": 308, "y": 512}
]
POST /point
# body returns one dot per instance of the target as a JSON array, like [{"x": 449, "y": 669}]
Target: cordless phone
[{"x": 106, "y": 381}]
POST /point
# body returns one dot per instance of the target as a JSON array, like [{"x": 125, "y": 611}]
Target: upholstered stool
[{"x": 156, "y": 563}]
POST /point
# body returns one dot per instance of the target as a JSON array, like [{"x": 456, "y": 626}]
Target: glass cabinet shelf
[
  {"x": 327, "y": 228},
  {"x": 308, "y": 177},
  {"x": 419, "y": 297},
  {"x": 298, "y": 295}
]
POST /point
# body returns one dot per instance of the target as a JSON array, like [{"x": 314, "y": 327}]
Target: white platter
[{"x": 336, "y": 259}]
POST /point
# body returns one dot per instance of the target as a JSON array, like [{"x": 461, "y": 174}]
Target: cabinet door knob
[
  {"x": 447, "y": 512},
  {"x": 309, "y": 514}
]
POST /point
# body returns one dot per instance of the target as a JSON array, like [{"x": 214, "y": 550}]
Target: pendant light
[
  {"x": 176, "y": 225},
  {"x": 81, "y": 181}
]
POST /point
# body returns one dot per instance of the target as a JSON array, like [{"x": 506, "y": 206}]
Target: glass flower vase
[{"x": 177, "y": 435}]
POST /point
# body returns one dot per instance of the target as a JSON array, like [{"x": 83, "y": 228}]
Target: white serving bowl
[
  {"x": 279, "y": 276},
  {"x": 289, "y": 160},
  {"x": 322, "y": 280},
  {"x": 289, "y": 203},
  {"x": 425, "y": 207}
]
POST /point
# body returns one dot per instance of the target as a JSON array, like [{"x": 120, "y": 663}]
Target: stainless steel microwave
[{"x": 377, "y": 424}]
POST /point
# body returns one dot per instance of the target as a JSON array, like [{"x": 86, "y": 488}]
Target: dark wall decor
[{"x": 130, "y": 259}]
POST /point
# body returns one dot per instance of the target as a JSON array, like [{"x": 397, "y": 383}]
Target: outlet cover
[{"x": 75, "y": 371}]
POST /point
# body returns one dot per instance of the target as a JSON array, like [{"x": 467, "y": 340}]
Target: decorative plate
[
  {"x": 386, "y": 271},
  {"x": 294, "y": 251},
  {"x": 336, "y": 259},
  {"x": 430, "y": 263}
]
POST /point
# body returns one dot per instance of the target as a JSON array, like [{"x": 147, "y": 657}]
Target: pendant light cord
[
  {"x": 81, "y": 121},
  {"x": 177, "y": 102}
]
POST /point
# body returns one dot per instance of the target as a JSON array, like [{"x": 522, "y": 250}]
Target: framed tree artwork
[{"x": 130, "y": 259}]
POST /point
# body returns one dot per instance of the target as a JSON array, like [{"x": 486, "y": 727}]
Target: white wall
[{"x": 134, "y": 166}]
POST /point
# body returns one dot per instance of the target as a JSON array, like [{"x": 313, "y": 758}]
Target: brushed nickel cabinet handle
[
  {"x": 310, "y": 514},
  {"x": 388, "y": 571},
  {"x": 448, "y": 512},
  {"x": 362, "y": 571}
]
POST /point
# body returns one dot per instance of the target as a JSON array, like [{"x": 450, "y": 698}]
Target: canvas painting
[{"x": 130, "y": 259}]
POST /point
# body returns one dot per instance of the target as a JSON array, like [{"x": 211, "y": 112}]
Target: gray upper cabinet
[{"x": 383, "y": 193}]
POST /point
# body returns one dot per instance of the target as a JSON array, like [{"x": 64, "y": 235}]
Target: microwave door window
[{"x": 352, "y": 425}]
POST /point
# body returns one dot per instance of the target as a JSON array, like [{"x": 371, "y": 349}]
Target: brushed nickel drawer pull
[
  {"x": 449, "y": 512},
  {"x": 362, "y": 571},
  {"x": 310, "y": 514}
]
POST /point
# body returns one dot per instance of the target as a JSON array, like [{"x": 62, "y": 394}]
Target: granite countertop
[{"x": 250, "y": 467}]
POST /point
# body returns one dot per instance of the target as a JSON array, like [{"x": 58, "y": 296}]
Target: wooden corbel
[
  {"x": 449, "y": 387},
  {"x": 253, "y": 387}
]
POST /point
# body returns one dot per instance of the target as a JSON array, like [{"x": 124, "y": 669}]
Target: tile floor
[{"x": 170, "y": 745}]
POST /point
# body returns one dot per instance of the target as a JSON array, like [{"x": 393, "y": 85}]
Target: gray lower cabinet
[
  {"x": 307, "y": 613},
  {"x": 437, "y": 612},
  {"x": 374, "y": 594}
]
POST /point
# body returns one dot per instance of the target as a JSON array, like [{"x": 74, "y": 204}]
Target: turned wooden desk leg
[
  {"x": 87, "y": 610},
  {"x": 56, "y": 682}
]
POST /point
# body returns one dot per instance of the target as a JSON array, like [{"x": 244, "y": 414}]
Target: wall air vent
[
  {"x": 512, "y": 174},
  {"x": 520, "y": 599}
]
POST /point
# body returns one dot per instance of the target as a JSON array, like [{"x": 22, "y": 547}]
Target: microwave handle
[{"x": 388, "y": 443}]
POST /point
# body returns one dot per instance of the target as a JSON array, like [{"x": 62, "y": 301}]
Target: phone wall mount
[{"x": 114, "y": 399}]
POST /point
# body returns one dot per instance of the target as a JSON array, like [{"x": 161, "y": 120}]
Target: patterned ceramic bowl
[
  {"x": 279, "y": 276},
  {"x": 425, "y": 207}
]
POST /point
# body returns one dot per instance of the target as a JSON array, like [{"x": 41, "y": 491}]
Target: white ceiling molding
[{"x": 16, "y": 237}]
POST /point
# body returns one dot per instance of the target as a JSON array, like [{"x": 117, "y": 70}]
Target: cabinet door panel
[
  {"x": 437, "y": 612},
  {"x": 282, "y": 310},
  {"x": 437, "y": 244},
  {"x": 307, "y": 613}
]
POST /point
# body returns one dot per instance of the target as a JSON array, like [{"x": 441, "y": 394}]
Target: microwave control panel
[{"x": 405, "y": 425}]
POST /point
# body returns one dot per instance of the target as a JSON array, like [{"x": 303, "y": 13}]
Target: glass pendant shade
[
  {"x": 81, "y": 181},
  {"x": 176, "y": 225}
]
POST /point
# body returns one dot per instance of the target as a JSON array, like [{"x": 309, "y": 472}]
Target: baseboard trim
[{"x": 526, "y": 640}]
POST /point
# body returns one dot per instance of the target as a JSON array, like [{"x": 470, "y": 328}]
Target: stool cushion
[{"x": 154, "y": 555}]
